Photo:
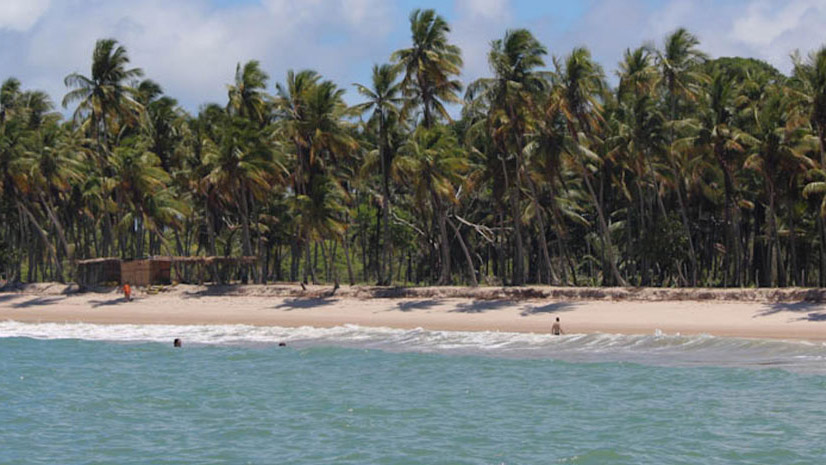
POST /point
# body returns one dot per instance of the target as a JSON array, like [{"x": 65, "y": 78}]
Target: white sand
[{"x": 714, "y": 317}]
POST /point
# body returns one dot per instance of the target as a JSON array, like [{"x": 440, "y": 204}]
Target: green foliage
[{"x": 690, "y": 172}]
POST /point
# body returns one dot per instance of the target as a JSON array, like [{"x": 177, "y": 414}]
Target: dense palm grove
[{"x": 690, "y": 172}]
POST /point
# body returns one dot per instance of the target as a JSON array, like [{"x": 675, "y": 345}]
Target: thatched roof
[
  {"x": 199, "y": 259},
  {"x": 92, "y": 261}
]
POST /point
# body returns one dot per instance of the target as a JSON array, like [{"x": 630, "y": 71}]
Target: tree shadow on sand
[
  {"x": 481, "y": 306},
  {"x": 107, "y": 303},
  {"x": 37, "y": 302},
  {"x": 298, "y": 303},
  {"x": 794, "y": 307},
  {"x": 555, "y": 307},
  {"x": 417, "y": 305},
  {"x": 818, "y": 316},
  {"x": 7, "y": 297},
  {"x": 210, "y": 290}
]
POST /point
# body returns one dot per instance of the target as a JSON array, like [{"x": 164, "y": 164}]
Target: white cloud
[
  {"x": 191, "y": 47},
  {"x": 20, "y": 15},
  {"x": 761, "y": 29},
  {"x": 488, "y": 9},
  {"x": 479, "y": 22}
]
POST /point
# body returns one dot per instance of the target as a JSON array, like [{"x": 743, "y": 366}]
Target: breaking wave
[{"x": 656, "y": 349}]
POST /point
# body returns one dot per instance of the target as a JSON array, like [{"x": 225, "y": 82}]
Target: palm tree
[
  {"x": 809, "y": 84},
  {"x": 429, "y": 66},
  {"x": 247, "y": 97},
  {"x": 512, "y": 95},
  {"x": 384, "y": 100},
  {"x": 679, "y": 62},
  {"x": 431, "y": 162},
  {"x": 241, "y": 170},
  {"x": 9, "y": 95},
  {"x": 780, "y": 158},
  {"x": 139, "y": 179},
  {"x": 311, "y": 115},
  {"x": 636, "y": 136},
  {"x": 105, "y": 94},
  {"x": 578, "y": 84},
  {"x": 104, "y": 101},
  {"x": 810, "y": 78},
  {"x": 717, "y": 133}
]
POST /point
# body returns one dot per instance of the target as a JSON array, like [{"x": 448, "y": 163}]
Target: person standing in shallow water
[{"x": 556, "y": 329}]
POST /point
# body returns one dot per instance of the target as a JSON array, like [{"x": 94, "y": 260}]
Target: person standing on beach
[
  {"x": 127, "y": 291},
  {"x": 556, "y": 329}
]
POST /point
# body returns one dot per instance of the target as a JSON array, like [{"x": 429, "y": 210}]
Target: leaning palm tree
[
  {"x": 636, "y": 137},
  {"x": 430, "y": 66},
  {"x": 384, "y": 99},
  {"x": 578, "y": 84}
]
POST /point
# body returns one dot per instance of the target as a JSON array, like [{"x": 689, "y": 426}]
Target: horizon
[{"x": 348, "y": 36}]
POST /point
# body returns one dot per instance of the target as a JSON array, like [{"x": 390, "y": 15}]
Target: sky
[{"x": 191, "y": 47}]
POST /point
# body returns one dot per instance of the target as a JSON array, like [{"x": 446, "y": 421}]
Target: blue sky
[{"x": 191, "y": 46}]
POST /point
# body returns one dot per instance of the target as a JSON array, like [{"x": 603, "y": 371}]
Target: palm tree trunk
[
  {"x": 543, "y": 241},
  {"x": 45, "y": 238},
  {"x": 208, "y": 219},
  {"x": 519, "y": 258},
  {"x": 776, "y": 260},
  {"x": 245, "y": 230},
  {"x": 61, "y": 234},
  {"x": 445, "y": 277},
  {"x": 821, "y": 231},
  {"x": 346, "y": 246},
  {"x": 470, "y": 267},
  {"x": 384, "y": 277},
  {"x": 607, "y": 243},
  {"x": 683, "y": 210},
  {"x": 793, "y": 272}
]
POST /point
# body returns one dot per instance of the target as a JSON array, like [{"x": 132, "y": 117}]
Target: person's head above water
[{"x": 176, "y": 342}]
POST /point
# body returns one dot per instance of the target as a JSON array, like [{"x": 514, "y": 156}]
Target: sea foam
[{"x": 657, "y": 348}]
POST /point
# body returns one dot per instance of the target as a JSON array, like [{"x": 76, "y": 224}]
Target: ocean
[{"x": 121, "y": 394}]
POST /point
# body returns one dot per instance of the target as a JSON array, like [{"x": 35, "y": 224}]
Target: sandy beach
[{"x": 721, "y": 313}]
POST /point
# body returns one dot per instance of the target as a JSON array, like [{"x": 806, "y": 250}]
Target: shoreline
[{"x": 527, "y": 310}]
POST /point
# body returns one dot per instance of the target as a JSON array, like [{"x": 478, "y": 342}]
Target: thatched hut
[
  {"x": 98, "y": 271},
  {"x": 155, "y": 270}
]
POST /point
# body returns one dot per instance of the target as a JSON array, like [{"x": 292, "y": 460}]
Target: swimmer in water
[
  {"x": 556, "y": 329},
  {"x": 176, "y": 343}
]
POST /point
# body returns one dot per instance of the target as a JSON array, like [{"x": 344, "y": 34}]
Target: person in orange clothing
[{"x": 127, "y": 291}]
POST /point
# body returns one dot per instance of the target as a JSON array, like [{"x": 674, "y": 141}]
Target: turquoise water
[{"x": 89, "y": 394}]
